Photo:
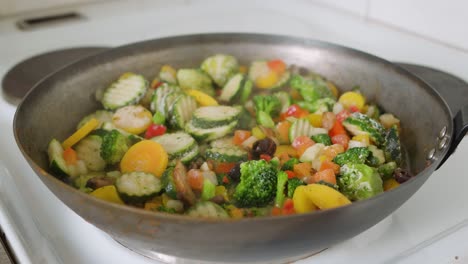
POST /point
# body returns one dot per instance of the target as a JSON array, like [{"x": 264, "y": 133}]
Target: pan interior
[{"x": 56, "y": 105}]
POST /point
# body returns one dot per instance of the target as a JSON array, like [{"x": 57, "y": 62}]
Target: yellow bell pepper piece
[
  {"x": 390, "y": 184},
  {"x": 349, "y": 99},
  {"x": 153, "y": 204},
  {"x": 307, "y": 198},
  {"x": 202, "y": 98},
  {"x": 169, "y": 70},
  {"x": 80, "y": 133},
  {"x": 301, "y": 201},
  {"x": 288, "y": 149},
  {"x": 221, "y": 190},
  {"x": 107, "y": 193},
  {"x": 364, "y": 138},
  {"x": 267, "y": 81},
  {"x": 315, "y": 120},
  {"x": 258, "y": 133}
]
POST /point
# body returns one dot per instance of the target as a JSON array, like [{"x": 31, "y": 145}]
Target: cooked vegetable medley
[{"x": 227, "y": 141}]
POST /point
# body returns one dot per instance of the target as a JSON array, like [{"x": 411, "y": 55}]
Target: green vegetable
[
  {"x": 281, "y": 184},
  {"x": 101, "y": 115},
  {"x": 257, "y": 185},
  {"x": 275, "y": 162},
  {"x": 377, "y": 154},
  {"x": 127, "y": 90},
  {"x": 285, "y": 100},
  {"x": 386, "y": 170},
  {"x": 360, "y": 124},
  {"x": 293, "y": 183},
  {"x": 215, "y": 116},
  {"x": 353, "y": 155},
  {"x": 168, "y": 184},
  {"x": 246, "y": 121},
  {"x": 158, "y": 118},
  {"x": 226, "y": 154},
  {"x": 207, "y": 209},
  {"x": 220, "y": 67},
  {"x": 232, "y": 88},
  {"x": 114, "y": 146},
  {"x": 392, "y": 146},
  {"x": 373, "y": 111},
  {"x": 81, "y": 181},
  {"x": 310, "y": 89},
  {"x": 88, "y": 150},
  {"x": 289, "y": 165},
  {"x": 359, "y": 181},
  {"x": 165, "y": 209},
  {"x": 267, "y": 107},
  {"x": 208, "y": 190},
  {"x": 318, "y": 106},
  {"x": 181, "y": 111},
  {"x": 322, "y": 138},
  {"x": 195, "y": 79},
  {"x": 137, "y": 187}
]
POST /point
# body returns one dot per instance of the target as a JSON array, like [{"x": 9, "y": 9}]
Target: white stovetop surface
[{"x": 432, "y": 227}]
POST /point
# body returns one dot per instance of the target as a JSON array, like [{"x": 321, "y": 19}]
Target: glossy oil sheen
[{"x": 54, "y": 107}]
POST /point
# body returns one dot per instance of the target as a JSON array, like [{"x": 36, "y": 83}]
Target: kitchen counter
[{"x": 431, "y": 227}]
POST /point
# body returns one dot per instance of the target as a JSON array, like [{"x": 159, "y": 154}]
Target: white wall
[{"x": 442, "y": 21}]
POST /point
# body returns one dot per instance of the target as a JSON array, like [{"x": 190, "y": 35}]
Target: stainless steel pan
[{"x": 56, "y": 104}]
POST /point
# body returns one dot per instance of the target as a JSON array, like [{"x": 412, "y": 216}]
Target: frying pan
[{"x": 430, "y": 133}]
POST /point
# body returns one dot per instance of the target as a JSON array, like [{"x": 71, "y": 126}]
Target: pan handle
[
  {"x": 460, "y": 129},
  {"x": 454, "y": 91}
]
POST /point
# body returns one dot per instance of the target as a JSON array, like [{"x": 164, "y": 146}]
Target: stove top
[{"x": 430, "y": 228}]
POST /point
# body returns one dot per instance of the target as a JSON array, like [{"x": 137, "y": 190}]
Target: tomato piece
[
  {"x": 277, "y": 66},
  {"x": 195, "y": 179},
  {"x": 288, "y": 207},
  {"x": 276, "y": 211},
  {"x": 341, "y": 116},
  {"x": 155, "y": 130},
  {"x": 240, "y": 136},
  {"x": 265, "y": 157},
  {"x": 327, "y": 175},
  {"x": 225, "y": 179},
  {"x": 341, "y": 139},
  {"x": 353, "y": 109},
  {"x": 330, "y": 165},
  {"x": 290, "y": 174},
  {"x": 337, "y": 129},
  {"x": 294, "y": 111},
  {"x": 302, "y": 141},
  {"x": 69, "y": 155}
]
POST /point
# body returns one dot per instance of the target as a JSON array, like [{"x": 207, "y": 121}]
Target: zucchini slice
[
  {"x": 127, "y": 90},
  {"x": 228, "y": 154},
  {"x": 137, "y": 187},
  {"x": 214, "y": 116},
  {"x": 158, "y": 99},
  {"x": 302, "y": 127},
  {"x": 176, "y": 144},
  {"x": 181, "y": 111},
  {"x": 209, "y": 134},
  {"x": 167, "y": 180},
  {"x": 285, "y": 100},
  {"x": 232, "y": 88},
  {"x": 57, "y": 164},
  {"x": 88, "y": 150},
  {"x": 190, "y": 155},
  {"x": 101, "y": 115},
  {"x": 207, "y": 209},
  {"x": 220, "y": 67},
  {"x": 195, "y": 79},
  {"x": 225, "y": 142},
  {"x": 246, "y": 91}
]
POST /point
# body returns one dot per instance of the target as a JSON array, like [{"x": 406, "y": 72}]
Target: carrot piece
[
  {"x": 330, "y": 165},
  {"x": 276, "y": 211},
  {"x": 327, "y": 175},
  {"x": 302, "y": 169},
  {"x": 283, "y": 131},
  {"x": 195, "y": 179},
  {"x": 290, "y": 174},
  {"x": 146, "y": 156},
  {"x": 80, "y": 133},
  {"x": 288, "y": 207},
  {"x": 337, "y": 129},
  {"x": 70, "y": 157},
  {"x": 223, "y": 167},
  {"x": 240, "y": 136}
]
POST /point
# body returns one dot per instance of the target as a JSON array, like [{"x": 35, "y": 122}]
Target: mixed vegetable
[{"x": 227, "y": 141}]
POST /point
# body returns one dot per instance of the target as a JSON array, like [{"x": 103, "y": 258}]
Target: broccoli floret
[
  {"x": 310, "y": 89},
  {"x": 318, "y": 106},
  {"x": 293, "y": 183},
  {"x": 195, "y": 79},
  {"x": 281, "y": 183},
  {"x": 289, "y": 165},
  {"x": 386, "y": 170},
  {"x": 360, "y": 124},
  {"x": 285, "y": 100},
  {"x": 114, "y": 145},
  {"x": 359, "y": 181},
  {"x": 322, "y": 138},
  {"x": 257, "y": 185},
  {"x": 353, "y": 155},
  {"x": 392, "y": 146},
  {"x": 165, "y": 209},
  {"x": 267, "y": 107}
]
